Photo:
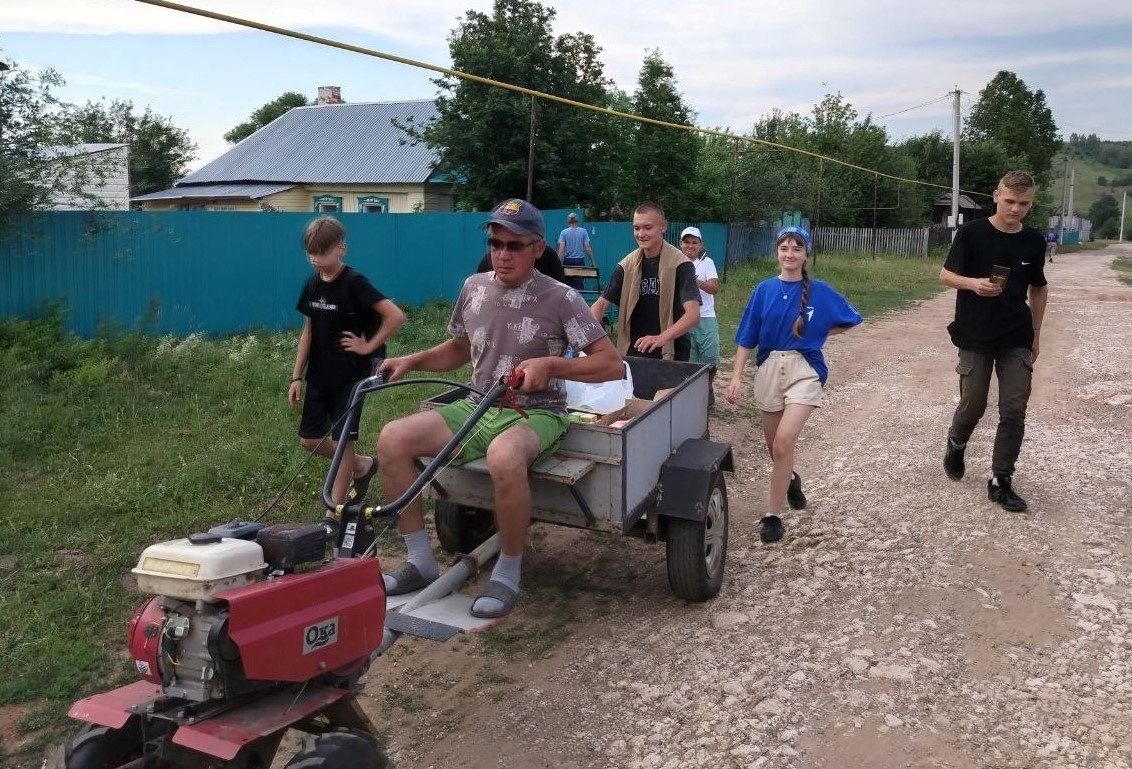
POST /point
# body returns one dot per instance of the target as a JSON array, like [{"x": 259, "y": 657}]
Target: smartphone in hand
[{"x": 999, "y": 274}]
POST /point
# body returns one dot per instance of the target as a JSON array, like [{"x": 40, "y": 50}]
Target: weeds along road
[{"x": 905, "y": 621}]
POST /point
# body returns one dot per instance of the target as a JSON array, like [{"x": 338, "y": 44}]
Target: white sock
[
  {"x": 420, "y": 555},
  {"x": 508, "y": 571}
]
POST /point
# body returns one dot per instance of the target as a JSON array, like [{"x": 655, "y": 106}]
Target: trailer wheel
[
  {"x": 462, "y": 529},
  {"x": 99, "y": 747},
  {"x": 345, "y": 749},
  {"x": 697, "y": 550}
]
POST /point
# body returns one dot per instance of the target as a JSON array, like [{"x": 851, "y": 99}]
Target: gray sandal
[
  {"x": 500, "y": 592},
  {"x": 408, "y": 579}
]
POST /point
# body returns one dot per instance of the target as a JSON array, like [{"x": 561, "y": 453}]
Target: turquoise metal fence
[{"x": 222, "y": 272}]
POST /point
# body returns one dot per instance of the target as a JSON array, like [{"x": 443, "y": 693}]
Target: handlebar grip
[{"x": 515, "y": 379}]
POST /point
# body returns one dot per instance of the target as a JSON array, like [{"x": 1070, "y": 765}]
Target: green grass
[
  {"x": 1086, "y": 190},
  {"x": 114, "y": 443},
  {"x": 1092, "y": 245},
  {"x": 871, "y": 285},
  {"x": 1123, "y": 267}
]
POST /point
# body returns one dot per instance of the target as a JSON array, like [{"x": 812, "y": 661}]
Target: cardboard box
[
  {"x": 633, "y": 408},
  {"x": 662, "y": 394}
]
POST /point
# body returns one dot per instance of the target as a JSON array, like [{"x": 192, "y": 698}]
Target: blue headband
[{"x": 800, "y": 232}]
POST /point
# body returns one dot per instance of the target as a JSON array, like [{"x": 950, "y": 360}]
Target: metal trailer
[{"x": 660, "y": 477}]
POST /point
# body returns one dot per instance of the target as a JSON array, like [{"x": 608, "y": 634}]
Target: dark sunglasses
[{"x": 511, "y": 246}]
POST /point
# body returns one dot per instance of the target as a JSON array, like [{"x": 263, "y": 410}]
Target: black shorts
[{"x": 321, "y": 407}]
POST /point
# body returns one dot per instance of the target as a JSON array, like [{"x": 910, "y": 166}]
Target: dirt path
[{"x": 905, "y": 622}]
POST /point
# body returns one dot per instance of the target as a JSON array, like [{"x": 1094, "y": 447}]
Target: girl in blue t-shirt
[{"x": 788, "y": 318}]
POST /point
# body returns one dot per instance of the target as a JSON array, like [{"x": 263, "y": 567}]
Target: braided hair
[
  {"x": 801, "y": 237},
  {"x": 800, "y": 322}
]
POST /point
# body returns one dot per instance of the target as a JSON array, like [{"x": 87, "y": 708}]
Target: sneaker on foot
[
  {"x": 771, "y": 529},
  {"x": 953, "y": 463},
  {"x": 1001, "y": 490},
  {"x": 794, "y": 495}
]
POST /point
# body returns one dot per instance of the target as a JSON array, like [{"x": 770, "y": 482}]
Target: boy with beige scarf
[{"x": 655, "y": 289}]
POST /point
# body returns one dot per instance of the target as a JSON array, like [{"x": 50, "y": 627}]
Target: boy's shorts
[
  {"x": 549, "y": 426},
  {"x": 705, "y": 342},
  {"x": 786, "y": 378},
  {"x": 321, "y": 407}
]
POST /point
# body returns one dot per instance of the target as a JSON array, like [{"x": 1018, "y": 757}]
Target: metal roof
[
  {"x": 75, "y": 150},
  {"x": 331, "y": 143},
  {"x": 964, "y": 201},
  {"x": 253, "y": 191}
]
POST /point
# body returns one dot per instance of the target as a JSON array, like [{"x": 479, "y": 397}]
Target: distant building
[
  {"x": 330, "y": 157},
  {"x": 95, "y": 176},
  {"x": 968, "y": 209}
]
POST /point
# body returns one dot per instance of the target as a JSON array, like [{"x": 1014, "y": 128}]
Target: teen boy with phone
[{"x": 996, "y": 265}]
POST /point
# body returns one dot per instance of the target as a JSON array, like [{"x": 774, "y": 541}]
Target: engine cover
[{"x": 299, "y": 626}]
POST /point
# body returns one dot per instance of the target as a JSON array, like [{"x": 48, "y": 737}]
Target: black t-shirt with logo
[
  {"x": 334, "y": 307},
  {"x": 645, "y": 320},
  {"x": 989, "y": 324}
]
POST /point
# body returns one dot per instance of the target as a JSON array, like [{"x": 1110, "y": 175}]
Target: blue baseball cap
[
  {"x": 519, "y": 217},
  {"x": 801, "y": 232}
]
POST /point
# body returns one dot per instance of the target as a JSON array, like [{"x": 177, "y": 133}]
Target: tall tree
[
  {"x": 275, "y": 108},
  {"x": 32, "y": 174},
  {"x": 662, "y": 161},
  {"x": 1018, "y": 119},
  {"x": 483, "y": 131},
  {"x": 1104, "y": 213},
  {"x": 159, "y": 150}
]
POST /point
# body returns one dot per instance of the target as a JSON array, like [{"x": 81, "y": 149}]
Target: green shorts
[
  {"x": 705, "y": 342},
  {"x": 549, "y": 426}
]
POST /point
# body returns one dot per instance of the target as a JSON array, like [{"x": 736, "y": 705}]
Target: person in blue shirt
[
  {"x": 573, "y": 248},
  {"x": 788, "y": 319}
]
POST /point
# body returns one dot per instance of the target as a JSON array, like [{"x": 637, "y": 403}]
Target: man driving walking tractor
[{"x": 512, "y": 318}]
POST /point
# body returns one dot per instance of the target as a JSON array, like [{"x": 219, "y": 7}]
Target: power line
[
  {"x": 909, "y": 109},
  {"x": 520, "y": 89}
]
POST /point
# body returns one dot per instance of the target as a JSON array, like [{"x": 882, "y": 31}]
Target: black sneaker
[
  {"x": 794, "y": 495},
  {"x": 1000, "y": 490},
  {"x": 771, "y": 529},
  {"x": 953, "y": 463}
]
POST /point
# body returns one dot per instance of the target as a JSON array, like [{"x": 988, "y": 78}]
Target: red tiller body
[
  {"x": 144, "y": 639},
  {"x": 299, "y": 626}
]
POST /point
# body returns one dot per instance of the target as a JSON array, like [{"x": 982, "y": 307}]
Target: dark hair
[
  {"x": 323, "y": 234},
  {"x": 649, "y": 207},
  {"x": 800, "y": 322}
]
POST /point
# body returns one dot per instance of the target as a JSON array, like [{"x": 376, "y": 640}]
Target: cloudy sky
[{"x": 736, "y": 60}]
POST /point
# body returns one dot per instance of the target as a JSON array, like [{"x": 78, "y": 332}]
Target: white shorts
[{"x": 785, "y": 378}]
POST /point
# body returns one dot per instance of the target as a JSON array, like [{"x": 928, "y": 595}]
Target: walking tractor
[{"x": 252, "y": 630}]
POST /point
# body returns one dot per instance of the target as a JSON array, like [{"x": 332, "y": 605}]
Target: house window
[
  {"x": 328, "y": 204},
  {"x": 372, "y": 204}
]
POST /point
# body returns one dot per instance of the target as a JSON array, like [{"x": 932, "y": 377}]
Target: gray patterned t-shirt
[{"x": 505, "y": 326}]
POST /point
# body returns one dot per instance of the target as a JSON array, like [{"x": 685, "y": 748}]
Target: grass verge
[{"x": 1123, "y": 267}]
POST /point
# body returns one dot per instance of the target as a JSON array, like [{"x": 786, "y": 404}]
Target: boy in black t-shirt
[
  {"x": 655, "y": 290},
  {"x": 995, "y": 264},
  {"x": 345, "y": 329}
]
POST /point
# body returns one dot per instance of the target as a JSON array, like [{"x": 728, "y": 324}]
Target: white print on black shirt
[
  {"x": 322, "y": 304},
  {"x": 650, "y": 286}
]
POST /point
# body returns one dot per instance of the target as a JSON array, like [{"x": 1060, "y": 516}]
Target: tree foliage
[
  {"x": 32, "y": 173},
  {"x": 1018, "y": 119},
  {"x": 1104, "y": 213},
  {"x": 275, "y": 108},
  {"x": 159, "y": 151},
  {"x": 482, "y": 133},
  {"x": 661, "y": 163}
]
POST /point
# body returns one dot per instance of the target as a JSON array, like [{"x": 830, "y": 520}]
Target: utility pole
[
  {"x": 531, "y": 153},
  {"x": 1061, "y": 211},
  {"x": 1072, "y": 182},
  {"x": 955, "y": 166},
  {"x": 1123, "y": 203}
]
